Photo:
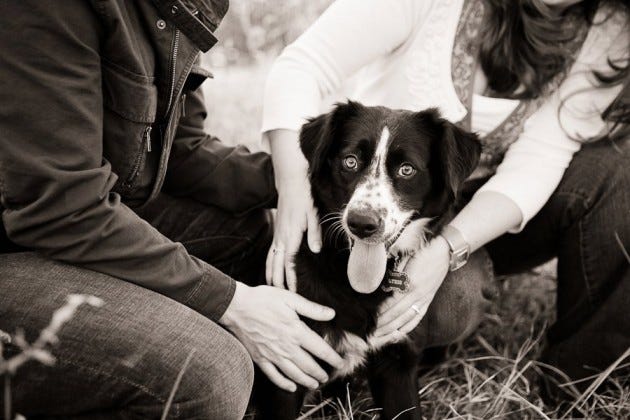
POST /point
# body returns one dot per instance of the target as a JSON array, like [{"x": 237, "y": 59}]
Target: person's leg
[
  {"x": 120, "y": 360},
  {"x": 586, "y": 224},
  {"x": 460, "y": 304},
  {"x": 236, "y": 245}
]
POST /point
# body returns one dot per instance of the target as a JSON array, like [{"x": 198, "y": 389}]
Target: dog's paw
[{"x": 412, "y": 239}]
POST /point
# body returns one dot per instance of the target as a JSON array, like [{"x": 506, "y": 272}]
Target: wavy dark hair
[{"x": 526, "y": 43}]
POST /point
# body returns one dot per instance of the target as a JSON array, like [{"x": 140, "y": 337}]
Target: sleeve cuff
[{"x": 212, "y": 294}]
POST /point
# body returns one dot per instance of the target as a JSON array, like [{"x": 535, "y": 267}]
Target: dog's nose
[{"x": 363, "y": 223}]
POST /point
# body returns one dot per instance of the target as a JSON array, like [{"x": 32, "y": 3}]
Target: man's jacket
[{"x": 100, "y": 110}]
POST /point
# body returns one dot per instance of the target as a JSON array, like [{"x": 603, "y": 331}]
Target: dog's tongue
[{"x": 366, "y": 266}]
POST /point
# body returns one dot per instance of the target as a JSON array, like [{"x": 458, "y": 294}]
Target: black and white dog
[{"x": 384, "y": 181}]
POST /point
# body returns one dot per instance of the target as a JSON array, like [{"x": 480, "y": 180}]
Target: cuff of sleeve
[{"x": 213, "y": 294}]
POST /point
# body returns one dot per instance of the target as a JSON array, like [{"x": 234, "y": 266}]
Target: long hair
[{"x": 526, "y": 44}]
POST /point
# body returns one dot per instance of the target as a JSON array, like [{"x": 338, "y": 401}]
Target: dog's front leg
[
  {"x": 393, "y": 378},
  {"x": 273, "y": 403}
]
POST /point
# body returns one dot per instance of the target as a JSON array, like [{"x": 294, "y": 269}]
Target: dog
[{"x": 384, "y": 182}]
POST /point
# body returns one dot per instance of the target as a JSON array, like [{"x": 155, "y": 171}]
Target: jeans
[
  {"x": 121, "y": 360},
  {"x": 586, "y": 225}
]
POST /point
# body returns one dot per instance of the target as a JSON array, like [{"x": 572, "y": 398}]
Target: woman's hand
[
  {"x": 402, "y": 312},
  {"x": 265, "y": 320},
  {"x": 296, "y": 212}
]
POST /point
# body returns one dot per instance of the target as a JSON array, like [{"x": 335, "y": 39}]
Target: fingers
[
  {"x": 310, "y": 309},
  {"x": 319, "y": 348},
  {"x": 295, "y": 374},
  {"x": 413, "y": 323},
  {"x": 269, "y": 265},
  {"x": 393, "y": 308},
  {"x": 309, "y": 366},
  {"x": 276, "y": 377},
  {"x": 313, "y": 231},
  {"x": 395, "y": 324},
  {"x": 289, "y": 271},
  {"x": 277, "y": 270},
  {"x": 392, "y": 337}
]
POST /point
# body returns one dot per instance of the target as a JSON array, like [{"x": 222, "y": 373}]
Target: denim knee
[{"x": 215, "y": 387}]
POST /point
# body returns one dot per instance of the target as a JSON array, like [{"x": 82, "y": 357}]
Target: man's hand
[
  {"x": 402, "y": 312},
  {"x": 265, "y": 320}
]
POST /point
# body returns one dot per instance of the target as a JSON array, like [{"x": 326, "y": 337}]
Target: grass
[{"x": 493, "y": 374}]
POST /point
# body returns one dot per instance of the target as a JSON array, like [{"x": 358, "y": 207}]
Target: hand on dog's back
[{"x": 266, "y": 320}]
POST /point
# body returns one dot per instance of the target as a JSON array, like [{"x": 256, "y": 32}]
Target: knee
[
  {"x": 460, "y": 304},
  {"x": 216, "y": 384}
]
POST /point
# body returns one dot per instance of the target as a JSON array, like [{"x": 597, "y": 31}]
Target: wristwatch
[{"x": 460, "y": 250}]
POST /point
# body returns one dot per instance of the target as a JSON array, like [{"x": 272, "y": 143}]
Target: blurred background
[{"x": 251, "y": 35}]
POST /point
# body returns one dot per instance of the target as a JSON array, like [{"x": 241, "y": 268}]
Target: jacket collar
[{"x": 197, "y": 19}]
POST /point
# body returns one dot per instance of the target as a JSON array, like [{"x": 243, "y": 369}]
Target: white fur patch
[
  {"x": 412, "y": 239},
  {"x": 354, "y": 351}
]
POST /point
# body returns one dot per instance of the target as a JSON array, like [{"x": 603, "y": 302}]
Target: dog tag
[{"x": 396, "y": 280}]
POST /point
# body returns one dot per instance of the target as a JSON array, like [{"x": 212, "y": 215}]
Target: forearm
[
  {"x": 487, "y": 216},
  {"x": 289, "y": 164}
]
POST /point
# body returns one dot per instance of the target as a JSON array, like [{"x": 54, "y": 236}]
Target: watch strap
[{"x": 460, "y": 249}]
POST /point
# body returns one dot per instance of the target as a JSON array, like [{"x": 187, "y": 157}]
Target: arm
[
  {"x": 530, "y": 172},
  {"x": 348, "y": 36},
  {"x": 55, "y": 186},
  {"x": 55, "y": 191},
  {"x": 202, "y": 167}
]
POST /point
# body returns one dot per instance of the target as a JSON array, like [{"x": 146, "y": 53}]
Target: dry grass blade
[
  {"x": 180, "y": 375},
  {"x": 313, "y": 410},
  {"x": 595, "y": 384}
]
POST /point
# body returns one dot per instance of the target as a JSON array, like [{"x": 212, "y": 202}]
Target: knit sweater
[{"x": 415, "y": 54}]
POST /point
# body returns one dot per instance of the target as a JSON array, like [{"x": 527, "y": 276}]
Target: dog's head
[{"x": 376, "y": 169}]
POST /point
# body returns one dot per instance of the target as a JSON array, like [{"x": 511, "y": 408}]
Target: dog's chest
[{"x": 354, "y": 351}]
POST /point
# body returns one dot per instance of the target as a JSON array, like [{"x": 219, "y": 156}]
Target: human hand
[
  {"x": 265, "y": 320},
  {"x": 296, "y": 214},
  {"x": 402, "y": 312}
]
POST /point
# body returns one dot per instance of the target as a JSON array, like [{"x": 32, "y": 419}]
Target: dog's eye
[
  {"x": 406, "y": 170},
  {"x": 351, "y": 163}
]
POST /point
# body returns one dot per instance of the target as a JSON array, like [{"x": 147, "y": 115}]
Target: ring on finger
[
  {"x": 275, "y": 250},
  {"x": 416, "y": 309}
]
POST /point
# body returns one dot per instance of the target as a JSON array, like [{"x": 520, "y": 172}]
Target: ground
[{"x": 494, "y": 373}]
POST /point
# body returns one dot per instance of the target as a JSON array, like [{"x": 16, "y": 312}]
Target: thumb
[{"x": 309, "y": 309}]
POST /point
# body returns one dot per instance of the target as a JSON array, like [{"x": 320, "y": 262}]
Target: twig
[
  {"x": 180, "y": 375},
  {"x": 7, "y": 396}
]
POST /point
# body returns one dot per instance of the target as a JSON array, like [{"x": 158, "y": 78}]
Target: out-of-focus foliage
[{"x": 254, "y": 29}]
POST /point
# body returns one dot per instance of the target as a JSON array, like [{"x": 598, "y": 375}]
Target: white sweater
[{"x": 402, "y": 51}]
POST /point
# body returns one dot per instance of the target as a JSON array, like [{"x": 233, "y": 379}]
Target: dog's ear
[
  {"x": 457, "y": 151},
  {"x": 460, "y": 150},
  {"x": 318, "y": 134}
]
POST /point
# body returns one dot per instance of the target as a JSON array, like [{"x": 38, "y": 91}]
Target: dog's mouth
[{"x": 367, "y": 263}]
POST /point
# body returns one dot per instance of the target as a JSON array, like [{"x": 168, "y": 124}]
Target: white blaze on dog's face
[{"x": 374, "y": 214}]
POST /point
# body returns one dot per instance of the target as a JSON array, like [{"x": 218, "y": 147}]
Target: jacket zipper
[
  {"x": 183, "y": 112},
  {"x": 173, "y": 68},
  {"x": 146, "y": 140}
]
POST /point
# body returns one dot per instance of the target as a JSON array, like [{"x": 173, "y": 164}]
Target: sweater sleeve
[
  {"x": 349, "y": 35},
  {"x": 535, "y": 164}
]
